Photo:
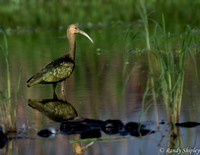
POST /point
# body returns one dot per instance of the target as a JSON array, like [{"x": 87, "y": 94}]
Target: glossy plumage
[
  {"x": 61, "y": 68},
  {"x": 56, "y": 71}
]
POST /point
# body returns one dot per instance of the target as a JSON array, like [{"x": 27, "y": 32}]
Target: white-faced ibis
[{"x": 61, "y": 68}]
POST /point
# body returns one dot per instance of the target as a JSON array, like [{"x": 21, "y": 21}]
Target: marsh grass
[
  {"x": 166, "y": 67},
  {"x": 169, "y": 71},
  {"x": 128, "y": 40},
  {"x": 175, "y": 139},
  {"x": 151, "y": 81},
  {"x": 4, "y": 49},
  {"x": 7, "y": 107}
]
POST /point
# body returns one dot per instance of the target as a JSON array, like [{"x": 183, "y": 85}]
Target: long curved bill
[{"x": 85, "y": 34}]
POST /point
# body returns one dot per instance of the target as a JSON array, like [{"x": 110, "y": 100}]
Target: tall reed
[
  {"x": 8, "y": 109},
  {"x": 4, "y": 49},
  {"x": 169, "y": 70},
  {"x": 166, "y": 67},
  {"x": 151, "y": 82}
]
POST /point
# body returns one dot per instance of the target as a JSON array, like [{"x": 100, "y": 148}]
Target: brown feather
[{"x": 56, "y": 71}]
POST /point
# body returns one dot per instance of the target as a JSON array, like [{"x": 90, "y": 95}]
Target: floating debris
[
  {"x": 3, "y": 138},
  {"x": 94, "y": 122},
  {"x": 48, "y": 132},
  {"x": 112, "y": 126},
  {"x": 94, "y": 133},
  {"x": 132, "y": 126},
  {"x": 141, "y": 132},
  {"x": 187, "y": 124},
  {"x": 74, "y": 127}
]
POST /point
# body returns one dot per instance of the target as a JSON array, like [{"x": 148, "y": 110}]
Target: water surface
[{"x": 108, "y": 83}]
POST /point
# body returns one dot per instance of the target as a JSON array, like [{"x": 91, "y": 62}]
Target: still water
[{"x": 108, "y": 84}]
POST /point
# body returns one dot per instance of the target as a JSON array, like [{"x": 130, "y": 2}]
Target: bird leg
[
  {"x": 63, "y": 96},
  {"x": 54, "y": 91}
]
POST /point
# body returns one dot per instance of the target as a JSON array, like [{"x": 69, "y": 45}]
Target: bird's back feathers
[{"x": 54, "y": 72}]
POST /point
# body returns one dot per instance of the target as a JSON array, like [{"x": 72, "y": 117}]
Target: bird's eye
[{"x": 76, "y": 28}]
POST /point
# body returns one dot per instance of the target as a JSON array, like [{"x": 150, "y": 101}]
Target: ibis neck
[{"x": 72, "y": 45}]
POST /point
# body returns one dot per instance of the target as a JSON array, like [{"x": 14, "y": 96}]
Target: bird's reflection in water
[
  {"x": 57, "y": 110},
  {"x": 82, "y": 128},
  {"x": 79, "y": 149}
]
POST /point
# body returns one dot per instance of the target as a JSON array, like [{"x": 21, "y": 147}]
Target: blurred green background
[{"x": 43, "y": 13}]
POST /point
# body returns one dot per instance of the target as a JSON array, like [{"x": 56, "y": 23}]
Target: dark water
[{"x": 107, "y": 84}]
